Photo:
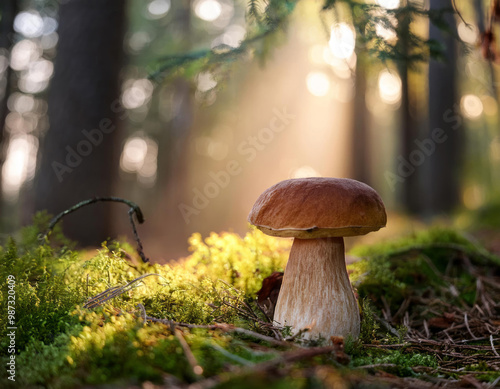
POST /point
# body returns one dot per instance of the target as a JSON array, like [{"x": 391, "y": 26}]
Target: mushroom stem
[{"x": 316, "y": 290}]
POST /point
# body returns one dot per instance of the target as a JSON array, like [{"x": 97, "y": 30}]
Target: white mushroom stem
[{"x": 316, "y": 291}]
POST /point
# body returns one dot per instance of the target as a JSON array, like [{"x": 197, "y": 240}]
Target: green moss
[
  {"x": 121, "y": 347},
  {"x": 62, "y": 345},
  {"x": 437, "y": 241},
  {"x": 488, "y": 216},
  {"x": 73, "y": 347},
  {"x": 369, "y": 326},
  {"x": 416, "y": 265},
  {"x": 260, "y": 380},
  {"x": 403, "y": 362},
  {"x": 46, "y": 364},
  {"x": 240, "y": 262},
  {"x": 43, "y": 298}
]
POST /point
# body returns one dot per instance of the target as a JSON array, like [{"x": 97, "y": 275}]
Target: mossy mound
[{"x": 422, "y": 305}]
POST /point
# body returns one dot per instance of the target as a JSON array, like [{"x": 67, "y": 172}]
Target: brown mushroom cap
[{"x": 318, "y": 207}]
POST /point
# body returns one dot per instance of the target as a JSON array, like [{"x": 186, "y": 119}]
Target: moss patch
[{"x": 416, "y": 293}]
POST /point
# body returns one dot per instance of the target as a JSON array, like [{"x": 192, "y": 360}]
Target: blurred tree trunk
[
  {"x": 174, "y": 138},
  {"x": 409, "y": 126},
  {"x": 410, "y": 131},
  {"x": 443, "y": 165},
  {"x": 80, "y": 152},
  {"x": 8, "y": 13},
  {"x": 360, "y": 141},
  {"x": 173, "y": 162}
]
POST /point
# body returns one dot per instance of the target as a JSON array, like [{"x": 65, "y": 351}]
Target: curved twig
[{"x": 134, "y": 209}]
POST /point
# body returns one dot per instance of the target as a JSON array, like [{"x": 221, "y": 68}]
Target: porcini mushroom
[{"x": 318, "y": 213}]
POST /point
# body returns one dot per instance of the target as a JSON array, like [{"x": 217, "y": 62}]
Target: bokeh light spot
[
  {"x": 318, "y": 83},
  {"x": 208, "y": 10},
  {"x": 389, "y": 87},
  {"x": 158, "y": 8},
  {"x": 389, "y": 4},
  {"x": 471, "y": 105},
  {"x": 342, "y": 40},
  {"x": 29, "y": 23}
]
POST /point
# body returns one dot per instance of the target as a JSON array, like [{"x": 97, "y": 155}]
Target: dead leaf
[
  {"x": 495, "y": 9},
  {"x": 267, "y": 296},
  {"x": 338, "y": 344},
  {"x": 442, "y": 322},
  {"x": 488, "y": 47}
]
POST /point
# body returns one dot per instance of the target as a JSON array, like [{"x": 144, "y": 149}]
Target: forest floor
[{"x": 430, "y": 308}]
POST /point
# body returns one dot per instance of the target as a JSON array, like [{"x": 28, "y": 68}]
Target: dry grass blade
[
  {"x": 114, "y": 291},
  {"x": 226, "y": 328},
  {"x": 493, "y": 346}
]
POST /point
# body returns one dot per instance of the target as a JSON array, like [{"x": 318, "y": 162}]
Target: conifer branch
[{"x": 275, "y": 18}]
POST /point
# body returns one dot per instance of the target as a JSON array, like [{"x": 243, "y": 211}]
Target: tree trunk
[
  {"x": 9, "y": 10},
  {"x": 80, "y": 153},
  {"x": 410, "y": 131},
  {"x": 173, "y": 162},
  {"x": 360, "y": 141},
  {"x": 443, "y": 164},
  {"x": 409, "y": 126}
]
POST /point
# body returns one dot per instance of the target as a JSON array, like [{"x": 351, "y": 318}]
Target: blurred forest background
[{"x": 98, "y": 98}]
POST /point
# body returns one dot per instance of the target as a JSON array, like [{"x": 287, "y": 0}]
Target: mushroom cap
[{"x": 318, "y": 207}]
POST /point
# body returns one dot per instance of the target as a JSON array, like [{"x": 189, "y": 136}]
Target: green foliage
[
  {"x": 267, "y": 20},
  {"x": 241, "y": 262},
  {"x": 60, "y": 344},
  {"x": 108, "y": 347},
  {"x": 410, "y": 47},
  {"x": 369, "y": 326},
  {"x": 402, "y": 361},
  {"x": 430, "y": 239},
  {"x": 46, "y": 364},
  {"x": 71, "y": 346},
  {"x": 488, "y": 216},
  {"x": 416, "y": 264},
  {"x": 223, "y": 267},
  {"x": 44, "y": 299}
]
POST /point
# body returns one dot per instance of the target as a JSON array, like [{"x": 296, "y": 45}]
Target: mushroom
[{"x": 318, "y": 212}]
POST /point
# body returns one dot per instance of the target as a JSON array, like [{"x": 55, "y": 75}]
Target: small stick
[
  {"x": 140, "y": 249},
  {"x": 493, "y": 346},
  {"x": 402, "y": 309},
  {"x": 387, "y": 309},
  {"x": 264, "y": 313},
  {"x": 233, "y": 357},
  {"x": 494, "y": 383},
  {"x": 259, "y": 336},
  {"x": 197, "y": 369},
  {"x": 134, "y": 209},
  {"x": 376, "y": 365},
  {"x": 299, "y": 333},
  {"x": 223, "y": 327},
  {"x": 466, "y": 321},
  {"x": 143, "y": 311},
  {"x": 426, "y": 328},
  {"x": 113, "y": 292},
  {"x": 448, "y": 336},
  {"x": 386, "y": 324}
]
